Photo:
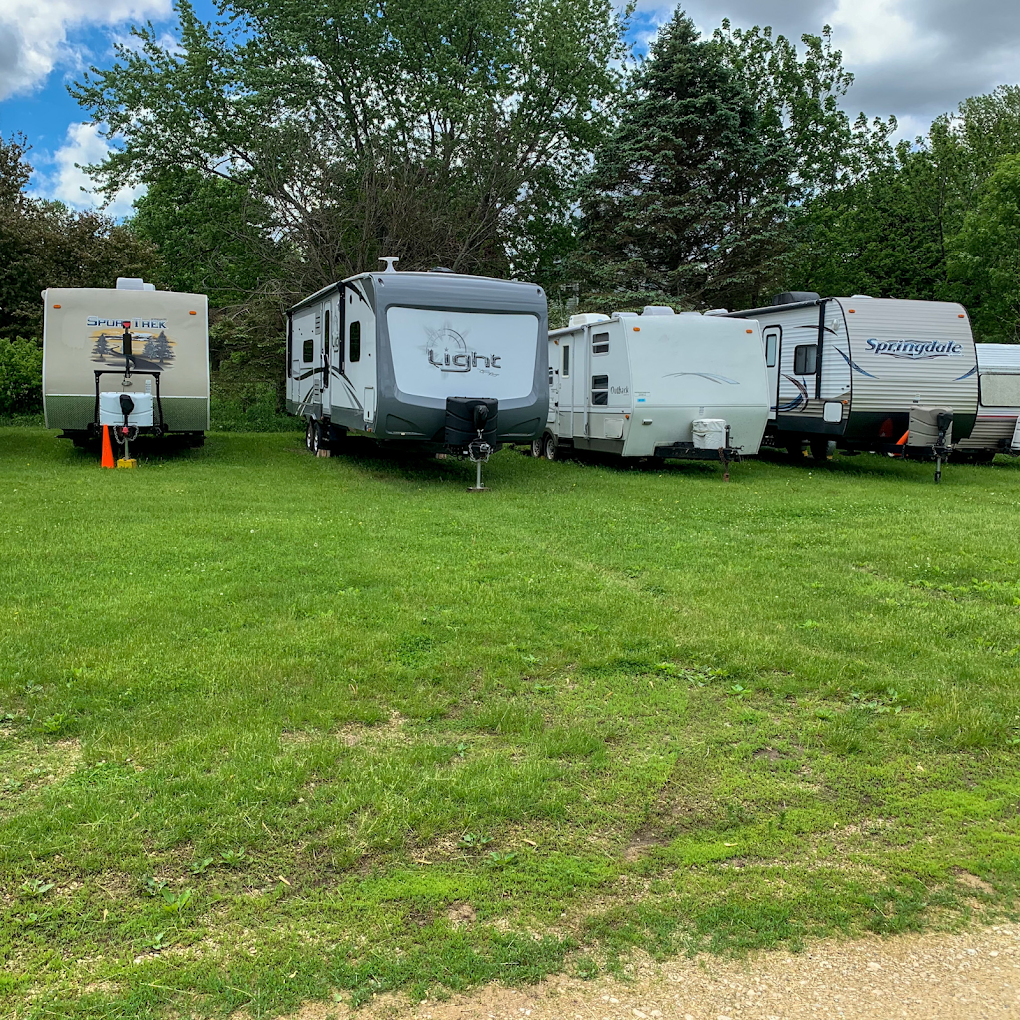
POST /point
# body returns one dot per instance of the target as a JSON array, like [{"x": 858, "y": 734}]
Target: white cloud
[
  {"x": 33, "y": 34},
  {"x": 69, "y": 183},
  {"x": 873, "y": 31}
]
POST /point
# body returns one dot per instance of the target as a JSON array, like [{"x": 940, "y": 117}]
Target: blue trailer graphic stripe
[{"x": 854, "y": 365}]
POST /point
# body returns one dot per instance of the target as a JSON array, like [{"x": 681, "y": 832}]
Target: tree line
[{"x": 291, "y": 143}]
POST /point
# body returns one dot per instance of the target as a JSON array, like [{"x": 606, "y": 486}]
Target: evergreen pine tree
[
  {"x": 161, "y": 349},
  {"x": 686, "y": 197},
  {"x": 101, "y": 347}
]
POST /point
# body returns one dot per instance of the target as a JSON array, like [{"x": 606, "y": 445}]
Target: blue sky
[{"x": 913, "y": 58}]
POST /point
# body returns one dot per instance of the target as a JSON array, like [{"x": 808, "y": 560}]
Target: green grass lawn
[{"x": 275, "y": 728}]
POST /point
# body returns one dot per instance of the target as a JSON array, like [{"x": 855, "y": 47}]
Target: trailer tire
[
  {"x": 317, "y": 440},
  {"x": 538, "y": 446},
  {"x": 822, "y": 449},
  {"x": 549, "y": 447},
  {"x": 309, "y": 427}
]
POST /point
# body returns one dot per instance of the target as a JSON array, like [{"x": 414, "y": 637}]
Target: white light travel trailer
[
  {"x": 865, "y": 373},
  {"x": 150, "y": 344},
  {"x": 997, "y": 429},
  {"x": 656, "y": 385},
  {"x": 388, "y": 354}
]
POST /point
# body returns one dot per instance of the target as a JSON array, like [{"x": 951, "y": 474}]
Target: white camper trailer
[
  {"x": 152, "y": 345},
  {"x": 997, "y": 429},
  {"x": 868, "y": 373},
  {"x": 657, "y": 384},
  {"x": 411, "y": 357}
]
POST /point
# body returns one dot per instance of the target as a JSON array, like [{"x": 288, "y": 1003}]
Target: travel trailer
[
  {"x": 867, "y": 373},
  {"x": 657, "y": 384},
  {"x": 413, "y": 358},
  {"x": 997, "y": 429},
  {"x": 152, "y": 345}
]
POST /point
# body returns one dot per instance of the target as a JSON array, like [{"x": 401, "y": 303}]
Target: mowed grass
[{"x": 276, "y": 728}]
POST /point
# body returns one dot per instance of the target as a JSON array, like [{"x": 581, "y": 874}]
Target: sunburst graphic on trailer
[{"x": 447, "y": 350}]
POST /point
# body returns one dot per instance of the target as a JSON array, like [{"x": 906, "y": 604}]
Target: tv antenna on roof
[{"x": 389, "y": 260}]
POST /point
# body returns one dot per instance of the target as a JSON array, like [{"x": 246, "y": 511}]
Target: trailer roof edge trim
[{"x": 751, "y": 312}]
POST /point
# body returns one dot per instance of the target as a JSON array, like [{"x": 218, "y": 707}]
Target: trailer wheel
[
  {"x": 822, "y": 449},
  {"x": 311, "y": 436},
  {"x": 317, "y": 440},
  {"x": 550, "y": 448},
  {"x": 538, "y": 446}
]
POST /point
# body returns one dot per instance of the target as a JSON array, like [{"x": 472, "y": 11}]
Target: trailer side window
[
  {"x": 600, "y": 343},
  {"x": 354, "y": 342},
  {"x": 771, "y": 347},
  {"x": 999, "y": 389},
  {"x": 600, "y": 389},
  {"x": 805, "y": 359},
  {"x": 306, "y": 352},
  {"x": 565, "y": 371}
]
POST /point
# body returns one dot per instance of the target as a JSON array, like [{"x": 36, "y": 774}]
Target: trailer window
[
  {"x": 565, "y": 371},
  {"x": 354, "y": 342},
  {"x": 1000, "y": 390},
  {"x": 600, "y": 343},
  {"x": 600, "y": 389},
  {"x": 771, "y": 347},
  {"x": 307, "y": 352},
  {"x": 805, "y": 359}
]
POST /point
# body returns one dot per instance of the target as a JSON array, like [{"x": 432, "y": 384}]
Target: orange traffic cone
[{"x": 107, "y": 448}]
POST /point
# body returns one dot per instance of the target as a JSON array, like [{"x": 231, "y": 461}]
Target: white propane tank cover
[
  {"x": 583, "y": 318},
  {"x": 709, "y": 433},
  {"x": 110, "y": 412},
  {"x": 130, "y": 283},
  {"x": 657, "y": 310}
]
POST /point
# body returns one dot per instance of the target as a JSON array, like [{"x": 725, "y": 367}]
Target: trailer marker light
[
  {"x": 192, "y": 313},
  {"x": 637, "y": 329},
  {"x": 960, "y": 315},
  {"x": 851, "y": 310},
  {"x": 56, "y": 306},
  {"x": 750, "y": 331}
]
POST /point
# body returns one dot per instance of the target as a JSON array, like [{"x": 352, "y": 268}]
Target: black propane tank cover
[{"x": 465, "y": 416}]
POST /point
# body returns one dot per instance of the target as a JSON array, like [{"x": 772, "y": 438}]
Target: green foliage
[
  {"x": 45, "y": 244},
  {"x": 985, "y": 256},
  {"x": 893, "y": 230},
  {"x": 688, "y": 196},
  {"x": 20, "y": 376},
  {"x": 212, "y": 237},
  {"x": 436, "y": 133}
]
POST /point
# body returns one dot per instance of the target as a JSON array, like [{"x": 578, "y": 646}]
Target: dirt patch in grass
[{"x": 461, "y": 914}]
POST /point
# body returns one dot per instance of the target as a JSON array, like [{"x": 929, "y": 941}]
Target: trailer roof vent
[
  {"x": 585, "y": 317},
  {"x": 861, "y": 297},
  {"x": 717, "y": 311},
  {"x": 658, "y": 310},
  {"x": 440, "y": 269},
  {"x": 623, "y": 315},
  {"x": 133, "y": 283},
  {"x": 791, "y": 297}
]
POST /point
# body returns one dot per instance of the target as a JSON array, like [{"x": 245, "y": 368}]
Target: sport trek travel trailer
[
  {"x": 150, "y": 344},
  {"x": 998, "y": 415},
  {"x": 656, "y": 385},
  {"x": 387, "y": 354},
  {"x": 867, "y": 373}
]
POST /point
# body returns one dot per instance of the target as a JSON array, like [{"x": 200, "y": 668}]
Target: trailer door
[{"x": 772, "y": 338}]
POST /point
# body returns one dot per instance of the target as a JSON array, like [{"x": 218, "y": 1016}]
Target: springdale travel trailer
[
  {"x": 437, "y": 361},
  {"x": 997, "y": 429},
  {"x": 657, "y": 384},
  {"x": 150, "y": 345},
  {"x": 870, "y": 374}
]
